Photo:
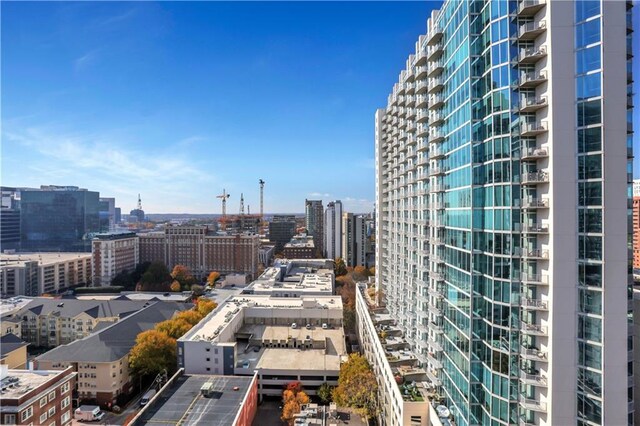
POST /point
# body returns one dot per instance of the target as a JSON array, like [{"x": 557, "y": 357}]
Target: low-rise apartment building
[
  {"x": 200, "y": 250},
  {"x": 34, "y": 274},
  {"x": 48, "y": 322},
  {"x": 13, "y": 351},
  {"x": 36, "y": 397},
  {"x": 102, "y": 358},
  {"x": 282, "y": 339},
  {"x": 406, "y": 392},
  {"x": 113, "y": 253}
]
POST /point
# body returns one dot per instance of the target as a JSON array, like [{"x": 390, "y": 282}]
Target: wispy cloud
[
  {"x": 169, "y": 178},
  {"x": 109, "y": 22},
  {"x": 85, "y": 60},
  {"x": 191, "y": 140},
  {"x": 319, "y": 194}
]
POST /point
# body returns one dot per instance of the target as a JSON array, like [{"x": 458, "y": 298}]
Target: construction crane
[
  {"x": 261, "y": 182},
  {"x": 241, "y": 204},
  {"x": 139, "y": 207},
  {"x": 224, "y": 197}
]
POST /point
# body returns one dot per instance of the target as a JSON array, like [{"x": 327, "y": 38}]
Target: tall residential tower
[
  {"x": 503, "y": 182},
  {"x": 314, "y": 214},
  {"x": 333, "y": 230}
]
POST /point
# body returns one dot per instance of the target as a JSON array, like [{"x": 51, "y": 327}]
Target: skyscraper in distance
[
  {"x": 333, "y": 230},
  {"x": 502, "y": 200},
  {"x": 314, "y": 218}
]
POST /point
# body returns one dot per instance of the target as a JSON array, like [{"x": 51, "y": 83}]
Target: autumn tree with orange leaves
[{"x": 293, "y": 397}]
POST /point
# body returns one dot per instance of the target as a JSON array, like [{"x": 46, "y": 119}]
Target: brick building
[
  {"x": 201, "y": 251},
  {"x": 111, "y": 254},
  {"x": 40, "y": 397}
]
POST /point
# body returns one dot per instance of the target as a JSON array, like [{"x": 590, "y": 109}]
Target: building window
[
  {"x": 65, "y": 403},
  {"x": 43, "y": 402},
  {"x": 66, "y": 416},
  {"x": 52, "y": 396},
  {"x": 43, "y": 417},
  {"x": 26, "y": 414},
  {"x": 52, "y": 411},
  {"x": 10, "y": 419}
]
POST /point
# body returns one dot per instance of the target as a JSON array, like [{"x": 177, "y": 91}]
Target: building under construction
[{"x": 244, "y": 223}]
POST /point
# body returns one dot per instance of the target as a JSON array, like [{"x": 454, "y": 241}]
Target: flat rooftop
[
  {"x": 45, "y": 258},
  {"x": 211, "y": 326},
  {"x": 301, "y": 276},
  {"x": 290, "y": 358},
  {"x": 19, "y": 382},
  {"x": 183, "y": 404}
]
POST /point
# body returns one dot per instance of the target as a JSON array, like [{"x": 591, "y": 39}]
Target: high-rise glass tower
[{"x": 503, "y": 184}]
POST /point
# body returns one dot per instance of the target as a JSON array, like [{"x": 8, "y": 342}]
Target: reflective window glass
[
  {"x": 586, "y": 9},
  {"x": 589, "y": 86},
  {"x": 588, "y": 33},
  {"x": 588, "y": 59}
]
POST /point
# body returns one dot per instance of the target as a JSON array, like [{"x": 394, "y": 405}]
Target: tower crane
[{"x": 224, "y": 197}]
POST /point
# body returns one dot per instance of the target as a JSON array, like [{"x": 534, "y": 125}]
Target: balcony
[
  {"x": 434, "y": 51},
  {"x": 421, "y": 57},
  {"x": 531, "y": 103},
  {"x": 529, "y": 8},
  {"x": 534, "y": 354},
  {"x": 436, "y": 135},
  {"x": 535, "y": 203},
  {"x": 434, "y": 35},
  {"x": 420, "y": 71},
  {"x": 530, "y": 79},
  {"x": 534, "y": 304},
  {"x": 435, "y": 84},
  {"x": 422, "y": 115},
  {"x": 533, "y": 329},
  {"x": 436, "y": 171},
  {"x": 437, "y": 152},
  {"x": 438, "y": 187},
  {"x": 422, "y": 129},
  {"x": 533, "y": 404},
  {"x": 435, "y": 328},
  {"x": 531, "y": 55},
  {"x": 422, "y": 143},
  {"x": 435, "y": 67},
  {"x": 421, "y": 101},
  {"x": 436, "y": 117},
  {"x": 534, "y": 178},
  {"x": 534, "y": 228},
  {"x": 533, "y": 379},
  {"x": 532, "y": 128},
  {"x": 408, "y": 88},
  {"x": 436, "y": 364},
  {"x": 421, "y": 86},
  {"x": 526, "y": 278},
  {"x": 531, "y": 30},
  {"x": 435, "y": 101},
  {"x": 435, "y": 311},
  {"x": 533, "y": 154},
  {"x": 533, "y": 253}
]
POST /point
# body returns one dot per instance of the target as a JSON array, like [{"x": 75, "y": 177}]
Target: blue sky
[{"x": 177, "y": 101}]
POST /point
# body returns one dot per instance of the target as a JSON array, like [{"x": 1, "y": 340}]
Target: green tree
[
  {"x": 153, "y": 352},
  {"x": 324, "y": 393},
  {"x": 137, "y": 273},
  {"x": 156, "y": 278},
  {"x": 357, "y": 386},
  {"x": 123, "y": 279},
  {"x": 340, "y": 267}
]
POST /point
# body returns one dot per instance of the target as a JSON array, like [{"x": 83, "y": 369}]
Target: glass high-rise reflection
[{"x": 503, "y": 179}]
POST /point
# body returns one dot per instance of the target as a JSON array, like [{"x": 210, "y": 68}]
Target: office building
[
  {"x": 301, "y": 246},
  {"x": 9, "y": 219},
  {"x": 333, "y": 230},
  {"x": 203, "y": 399},
  {"x": 113, "y": 253},
  {"x": 281, "y": 229},
  {"x": 282, "y": 339},
  {"x": 265, "y": 254},
  {"x": 354, "y": 240},
  {"x": 314, "y": 222},
  {"x": 34, "y": 274},
  {"x": 36, "y": 397},
  {"x": 200, "y": 250},
  {"x": 102, "y": 358},
  {"x": 107, "y": 214},
  {"x": 58, "y": 218},
  {"x": 118, "y": 215},
  {"x": 502, "y": 209}
]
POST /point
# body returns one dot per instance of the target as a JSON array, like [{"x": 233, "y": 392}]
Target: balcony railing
[
  {"x": 534, "y": 354},
  {"x": 531, "y": 103},
  {"x": 534, "y": 278},
  {"x": 435, "y": 83},
  {"x": 529, "y": 7},
  {"x": 533, "y": 379},
  {"x": 531, "y": 55},
  {"x": 533, "y": 404},
  {"x": 531, "y": 79},
  {"x": 435, "y": 100},
  {"x": 533, "y": 154},
  {"x": 534, "y": 177},
  {"x": 535, "y": 203},
  {"x": 531, "y": 30},
  {"x": 533, "y": 128},
  {"x": 536, "y": 304}
]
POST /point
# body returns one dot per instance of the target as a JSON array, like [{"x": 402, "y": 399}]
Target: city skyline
[{"x": 157, "y": 99}]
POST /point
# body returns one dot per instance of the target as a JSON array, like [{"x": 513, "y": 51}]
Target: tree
[
  {"x": 182, "y": 274},
  {"x": 156, "y": 278},
  {"x": 123, "y": 279},
  {"x": 360, "y": 273},
  {"x": 213, "y": 277},
  {"x": 205, "y": 306},
  {"x": 175, "y": 286},
  {"x": 324, "y": 393},
  {"x": 137, "y": 273},
  {"x": 153, "y": 352},
  {"x": 190, "y": 316},
  {"x": 174, "y": 328},
  {"x": 197, "y": 289},
  {"x": 292, "y": 399},
  {"x": 357, "y": 386},
  {"x": 340, "y": 267},
  {"x": 372, "y": 271}
]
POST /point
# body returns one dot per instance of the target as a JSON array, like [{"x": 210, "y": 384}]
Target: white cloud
[
  {"x": 85, "y": 60},
  {"x": 319, "y": 194}
]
